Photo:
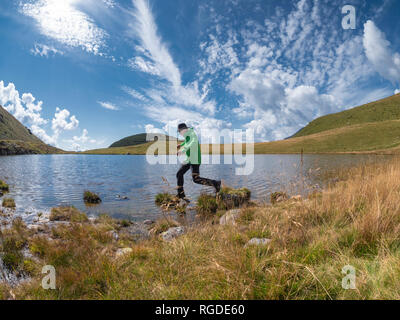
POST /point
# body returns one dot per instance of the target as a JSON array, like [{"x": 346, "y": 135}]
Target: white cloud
[
  {"x": 134, "y": 94},
  {"x": 62, "y": 21},
  {"x": 82, "y": 142},
  {"x": 156, "y": 60},
  {"x": 45, "y": 50},
  {"x": 108, "y": 105},
  {"x": 149, "y": 128},
  {"x": 63, "y": 121},
  {"x": 379, "y": 53},
  {"x": 23, "y": 108},
  {"x": 28, "y": 111},
  {"x": 397, "y": 91}
]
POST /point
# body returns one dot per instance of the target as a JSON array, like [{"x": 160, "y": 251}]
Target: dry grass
[{"x": 356, "y": 222}]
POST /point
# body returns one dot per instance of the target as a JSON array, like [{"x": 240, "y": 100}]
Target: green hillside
[
  {"x": 139, "y": 139},
  {"x": 12, "y": 129},
  {"x": 382, "y": 110},
  {"x": 17, "y": 139}
]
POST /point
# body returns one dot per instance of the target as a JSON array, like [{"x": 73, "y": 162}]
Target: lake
[{"x": 40, "y": 182}]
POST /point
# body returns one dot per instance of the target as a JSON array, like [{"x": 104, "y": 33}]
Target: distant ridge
[{"x": 141, "y": 138}]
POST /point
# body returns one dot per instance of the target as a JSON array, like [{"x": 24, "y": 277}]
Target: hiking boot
[
  {"x": 181, "y": 194},
  {"x": 217, "y": 186}
]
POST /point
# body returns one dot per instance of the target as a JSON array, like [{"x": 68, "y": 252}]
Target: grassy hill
[
  {"x": 17, "y": 139},
  {"x": 374, "y": 127},
  {"x": 12, "y": 129},
  {"x": 378, "y": 111},
  {"x": 138, "y": 139}
]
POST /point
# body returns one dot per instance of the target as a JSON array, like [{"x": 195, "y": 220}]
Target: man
[{"x": 191, "y": 148}]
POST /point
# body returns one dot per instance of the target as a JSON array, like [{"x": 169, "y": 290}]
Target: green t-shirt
[{"x": 191, "y": 147}]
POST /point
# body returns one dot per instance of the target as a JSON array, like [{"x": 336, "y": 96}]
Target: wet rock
[
  {"x": 172, "y": 233},
  {"x": 119, "y": 197},
  {"x": 123, "y": 252},
  {"x": 230, "y": 217},
  {"x": 258, "y": 242},
  {"x": 229, "y": 198},
  {"x": 278, "y": 197},
  {"x": 148, "y": 222}
]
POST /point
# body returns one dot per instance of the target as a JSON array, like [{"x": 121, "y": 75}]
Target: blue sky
[{"x": 85, "y": 73}]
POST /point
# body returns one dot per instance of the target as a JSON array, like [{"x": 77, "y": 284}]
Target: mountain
[
  {"x": 17, "y": 139},
  {"x": 374, "y": 127},
  {"x": 139, "y": 139}
]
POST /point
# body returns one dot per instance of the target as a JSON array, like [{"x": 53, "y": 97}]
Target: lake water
[{"x": 40, "y": 182}]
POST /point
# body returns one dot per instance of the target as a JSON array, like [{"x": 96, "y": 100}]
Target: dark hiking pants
[{"x": 195, "y": 175}]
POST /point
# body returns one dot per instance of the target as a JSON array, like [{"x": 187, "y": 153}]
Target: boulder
[
  {"x": 122, "y": 252},
  {"x": 258, "y": 242},
  {"x": 172, "y": 233},
  {"x": 230, "y": 217}
]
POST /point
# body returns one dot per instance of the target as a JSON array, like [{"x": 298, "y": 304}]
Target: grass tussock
[
  {"x": 207, "y": 204},
  {"x": 355, "y": 222},
  {"x": 91, "y": 197},
  {"x": 4, "y": 186},
  {"x": 9, "y": 203},
  {"x": 70, "y": 214}
]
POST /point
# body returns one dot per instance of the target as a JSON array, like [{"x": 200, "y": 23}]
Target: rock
[
  {"x": 229, "y": 198},
  {"x": 297, "y": 198},
  {"x": 277, "y": 197},
  {"x": 123, "y": 252},
  {"x": 119, "y": 197},
  {"x": 258, "y": 242},
  {"x": 148, "y": 222},
  {"x": 229, "y": 217},
  {"x": 113, "y": 235},
  {"x": 172, "y": 233}
]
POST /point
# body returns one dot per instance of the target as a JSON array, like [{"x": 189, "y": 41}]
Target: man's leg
[
  {"x": 204, "y": 181},
  {"x": 180, "y": 179}
]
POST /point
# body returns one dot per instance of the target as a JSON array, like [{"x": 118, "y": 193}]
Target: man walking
[{"x": 191, "y": 148}]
